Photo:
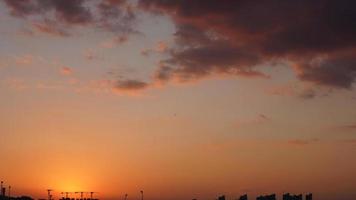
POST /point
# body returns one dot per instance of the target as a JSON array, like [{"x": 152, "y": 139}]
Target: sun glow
[{"x": 71, "y": 181}]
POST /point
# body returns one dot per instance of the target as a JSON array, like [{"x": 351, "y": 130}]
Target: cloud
[
  {"x": 282, "y": 90},
  {"x": 116, "y": 16},
  {"x": 66, "y": 71},
  {"x": 258, "y": 119},
  {"x": 17, "y": 84},
  {"x": 304, "y": 91},
  {"x": 349, "y": 141},
  {"x": 49, "y": 86},
  {"x": 113, "y": 42},
  {"x": 24, "y": 60},
  {"x": 223, "y": 37},
  {"x": 307, "y": 94},
  {"x": 334, "y": 70},
  {"x": 49, "y": 27},
  {"x": 317, "y": 38},
  {"x": 90, "y": 54},
  {"x": 300, "y": 142},
  {"x": 160, "y": 47},
  {"x": 146, "y": 52},
  {"x": 110, "y": 15},
  {"x": 214, "y": 57},
  {"x": 130, "y": 85},
  {"x": 68, "y": 11},
  {"x": 348, "y": 127},
  {"x": 21, "y": 8}
]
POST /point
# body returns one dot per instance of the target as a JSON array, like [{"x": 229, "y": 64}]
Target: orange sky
[{"x": 91, "y": 105}]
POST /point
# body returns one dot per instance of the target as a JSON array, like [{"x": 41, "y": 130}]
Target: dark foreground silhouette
[
  {"x": 16, "y": 198},
  {"x": 7, "y": 196},
  {"x": 286, "y": 196}
]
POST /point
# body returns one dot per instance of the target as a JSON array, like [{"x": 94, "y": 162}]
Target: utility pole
[
  {"x": 1, "y": 194},
  {"x": 9, "y": 194}
]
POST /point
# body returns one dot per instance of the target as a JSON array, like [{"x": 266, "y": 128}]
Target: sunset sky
[{"x": 180, "y": 98}]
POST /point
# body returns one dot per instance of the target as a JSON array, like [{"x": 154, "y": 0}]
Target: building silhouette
[
  {"x": 3, "y": 197},
  {"x": 288, "y": 196},
  {"x": 3, "y": 191},
  {"x": 221, "y": 197},
  {"x": 309, "y": 196},
  {"x": 243, "y": 197},
  {"x": 267, "y": 197}
]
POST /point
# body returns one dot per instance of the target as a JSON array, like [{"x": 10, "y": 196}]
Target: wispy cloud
[
  {"x": 349, "y": 141},
  {"x": 302, "y": 142},
  {"x": 256, "y": 120},
  {"x": 160, "y": 47},
  {"x": 24, "y": 60},
  {"x": 49, "y": 27},
  {"x": 299, "y": 90},
  {"x": 113, "y": 42},
  {"x": 17, "y": 84},
  {"x": 346, "y": 127},
  {"x": 66, "y": 71}
]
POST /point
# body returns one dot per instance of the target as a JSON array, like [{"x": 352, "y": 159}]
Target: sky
[{"x": 181, "y": 99}]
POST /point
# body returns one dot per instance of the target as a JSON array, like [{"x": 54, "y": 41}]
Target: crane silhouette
[
  {"x": 66, "y": 194},
  {"x": 82, "y": 194}
]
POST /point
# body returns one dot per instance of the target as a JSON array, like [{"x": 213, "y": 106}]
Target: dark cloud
[
  {"x": 223, "y": 36},
  {"x": 69, "y": 11},
  {"x": 127, "y": 85},
  {"x": 338, "y": 70},
  {"x": 21, "y": 8},
  {"x": 111, "y": 15},
  {"x": 116, "y": 16},
  {"x": 205, "y": 55}
]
